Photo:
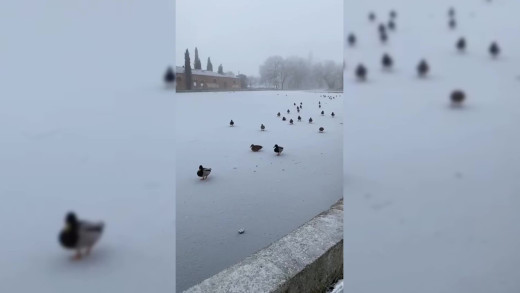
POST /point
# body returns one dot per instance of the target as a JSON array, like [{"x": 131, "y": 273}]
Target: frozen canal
[{"x": 267, "y": 195}]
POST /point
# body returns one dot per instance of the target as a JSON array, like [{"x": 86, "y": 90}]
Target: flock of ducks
[
  {"x": 457, "y": 96},
  {"x": 203, "y": 172}
]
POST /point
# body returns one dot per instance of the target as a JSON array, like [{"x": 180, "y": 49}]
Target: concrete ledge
[{"x": 309, "y": 259}]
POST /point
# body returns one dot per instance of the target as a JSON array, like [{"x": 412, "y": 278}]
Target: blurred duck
[
  {"x": 256, "y": 147},
  {"x": 203, "y": 172},
  {"x": 80, "y": 234},
  {"x": 278, "y": 149}
]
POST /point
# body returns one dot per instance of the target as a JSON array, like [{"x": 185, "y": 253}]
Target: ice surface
[
  {"x": 431, "y": 192},
  {"x": 87, "y": 125},
  {"x": 267, "y": 195}
]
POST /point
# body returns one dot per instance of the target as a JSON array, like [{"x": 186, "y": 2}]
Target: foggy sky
[{"x": 242, "y": 34}]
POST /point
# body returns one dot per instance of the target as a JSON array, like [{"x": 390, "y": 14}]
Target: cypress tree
[
  {"x": 187, "y": 70},
  {"x": 196, "y": 62},
  {"x": 209, "y": 66}
]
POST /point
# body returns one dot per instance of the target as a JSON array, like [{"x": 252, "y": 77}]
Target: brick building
[{"x": 203, "y": 79}]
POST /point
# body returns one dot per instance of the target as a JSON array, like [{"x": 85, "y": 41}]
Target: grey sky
[{"x": 241, "y": 34}]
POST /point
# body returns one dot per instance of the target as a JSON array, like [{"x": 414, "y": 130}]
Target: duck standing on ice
[
  {"x": 80, "y": 234},
  {"x": 255, "y": 147},
  {"x": 203, "y": 172},
  {"x": 278, "y": 149}
]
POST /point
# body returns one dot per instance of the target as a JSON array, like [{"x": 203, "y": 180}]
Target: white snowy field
[
  {"x": 431, "y": 192},
  {"x": 267, "y": 195},
  {"x": 87, "y": 125}
]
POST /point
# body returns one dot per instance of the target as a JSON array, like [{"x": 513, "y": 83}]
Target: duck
[
  {"x": 494, "y": 50},
  {"x": 299, "y": 118},
  {"x": 387, "y": 61},
  {"x": 278, "y": 114},
  {"x": 231, "y": 123},
  {"x": 278, "y": 149},
  {"x": 372, "y": 16},
  {"x": 383, "y": 37},
  {"x": 80, "y": 234},
  {"x": 457, "y": 97},
  {"x": 381, "y": 28},
  {"x": 423, "y": 68},
  {"x": 391, "y": 25},
  {"x": 262, "y": 127},
  {"x": 321, "y": 129},
  {"x": 298, "y": 110},
  {"x": 256, "y": 147},
  {"x": 322, "y": 112},
  {"x": 203, "y": 172},
  {"x": 332, "y": 114},
  {"x": 319, "y": 106},
  {"x": 283, "y": 119},
  {"x": 310, "y": 120},
  {"x": 452, "y": 23},
  {"x": 288, "y": 111},
  {"x": 351, "y": 39},
  {"x": 361, "y": 72},
  {"x": 291, "y": 121},
  {"x": 461, "y": 44}
]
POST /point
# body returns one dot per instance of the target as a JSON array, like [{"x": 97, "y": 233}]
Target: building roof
[{"x": 180, "y": 69}]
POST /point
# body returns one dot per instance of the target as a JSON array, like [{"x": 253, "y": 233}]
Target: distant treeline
[{"x": 294, "y": 73}]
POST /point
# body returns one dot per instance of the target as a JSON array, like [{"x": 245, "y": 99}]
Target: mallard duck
[
  {"x": 321, "y": 129},
  {"x": 203, "y": 172},
  {"x": 351, "y": 39},
  {"x": 461, "y": 44},
  {"x": 494, "y": 50},
  {"x": 423, "y": 68},
  {"x": 451, "y": 12},
  {"x": 256, "y": 147},
  {"x": 319, "y": 106},
  {"x": 278, "y": 149},
  {"x": 288, "y": 111},
  {"x": 291, "y": 121},
  {"x": 372, "y": 16},
  {"x": 310, "y": 120},
  {"x": 452, "y": 23},
  {"x": 231, "y": 123},
  {"x": 457, "y": 97},
  {"x": 262, "y": 127},
  {"x": 383, "y": 37},
  {"x": 322, "y": 112},
  {"x": 299, "y": 118},
  {"x": 386, "y": 61},
  {"x": 391, "y": 25},
  {"x": 80, "y": 234},
  {"x": 381, "y": 28},
  {"x": 332, "y": 114},
  {"x": 361, "y": 72},
  {"x": 278, "y": 114},
  {"x": 169, "y": 76},
  {"x": 283, "y": 119}
]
